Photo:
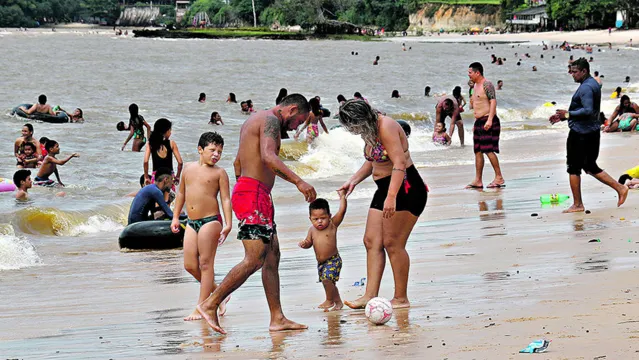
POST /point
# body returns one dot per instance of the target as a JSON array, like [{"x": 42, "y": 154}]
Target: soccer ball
[{"x": 378, "y": 310}]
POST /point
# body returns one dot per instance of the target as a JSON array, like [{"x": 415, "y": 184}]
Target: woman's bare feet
[
  {"x": 623, "y": 194},
  {"x": 359, "y": 303},
  {"x": 285, "y": 324},
  {"x": 400, "y": 303},
  {"x": 574, "y": 209},
  {"x": 195, "y": 315},
  {"x": 326, "y": 304},
  {"x": 222, "y": 309},
  {"x": 210, "y": 315}
]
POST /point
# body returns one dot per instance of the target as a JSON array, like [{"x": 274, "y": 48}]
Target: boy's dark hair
[
  {"x": 29, "y": 144},
  {"x": 43, "y": 140},
  {"x": 29, "y": 126},
  {"x": 50, "y": 144},
  {"x": 210, "y": 137},
  {"x": 319, "y": 204},
  {"x": 20, "y": 176},
  {"x": 581, "y": 64},
  {"x": 42, "y": 99},
  {"x": 357, "y": 94},
  {"x": 296, "y": 99},
  {"x": 477, "y": 67},
  {"x": 161, "y": 174},
  {"x": 622, "y": 179},
  {"x": 142, "y": 180}
]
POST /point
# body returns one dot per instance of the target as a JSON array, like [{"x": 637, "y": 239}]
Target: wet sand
[{"x": 486, "y": 279}]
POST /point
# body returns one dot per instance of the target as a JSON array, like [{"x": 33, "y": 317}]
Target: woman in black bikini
[
  {"x": 397, "y": 204},
  {"x": 161, "y": 150}
]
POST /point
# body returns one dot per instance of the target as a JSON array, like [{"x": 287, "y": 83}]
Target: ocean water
[{"x": 103, "y": 74}]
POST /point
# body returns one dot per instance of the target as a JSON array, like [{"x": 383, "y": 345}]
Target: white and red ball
[{"x": 378, "y": 310}]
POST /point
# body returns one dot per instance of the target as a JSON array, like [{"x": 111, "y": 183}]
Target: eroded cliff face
[{"x": 433, "y": 17}]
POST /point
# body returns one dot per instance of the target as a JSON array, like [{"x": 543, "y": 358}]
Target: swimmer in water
[
  {"x": 28, "y": 157},
  {"x": 311, "y": 123},
  {"x": 500, "y": 84},
  {"x": 22, "y": 180},
  {"x": 534, "y": 68},
  {"x": 231, "y": 98},
  {"x": 216, "y": 118},
  {"x": 244, "y": 108},
  {"x": 376, "y": 60},
  {"x": 427, "y": 91},
  {"x": 40, "y": 108},
  {"x": 440, "y": 136},
  {"x": 395, "y": 94},
  {"x": 202, "y": 98},
  {"x": 76, "y": 116},
  {"x": 281, "y": 95},
  {"x": 50, "y": 164},
  {"x": 617, "y": 93}
]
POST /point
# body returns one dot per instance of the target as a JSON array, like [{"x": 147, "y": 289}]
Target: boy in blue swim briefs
[
  {"x": 322, "y": 236},
  {"x": 200, "y": 186}
]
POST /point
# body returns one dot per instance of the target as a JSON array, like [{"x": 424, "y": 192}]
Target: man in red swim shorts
[{"x": 256, "y": 165}]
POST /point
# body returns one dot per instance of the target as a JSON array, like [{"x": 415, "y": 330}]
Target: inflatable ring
[
  {"x": 151, "y": 235},
  {"x": 60, "y": 118}
]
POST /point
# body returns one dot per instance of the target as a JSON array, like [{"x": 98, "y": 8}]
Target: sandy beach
[{"x": 491, "y": 270}]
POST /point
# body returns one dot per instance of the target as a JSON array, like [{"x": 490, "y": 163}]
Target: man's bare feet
[
  {"x": 195, "y": 315},
  {"x": 400, "y": 304},
  {"x": 210, "y": 315},
  {"x": 338, "y": 306},
  {"x": 623, "y": 194},
  {"x": 222, "y": 309},
  {"x": 574, "y": 209},
  {"x": 286, "y": 324},
  {"x": 357, "y": 304},
  {"x": 326, "y": 304},
  {"x": 475, "y": 185}
]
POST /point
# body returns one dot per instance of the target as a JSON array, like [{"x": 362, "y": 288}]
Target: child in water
[
  {"x": 27, "y": 157},
  {"x": 440, "y": 136},
  {"x": 50, "y": 164},
  {"x": 200, "y": 186},
  {"x": 322, "y": 236},
  {"x": 311, "y": 124},
  {"x": 22, "y": 180}
]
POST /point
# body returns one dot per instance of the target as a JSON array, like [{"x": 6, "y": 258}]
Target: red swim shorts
[{"x": 253, "y": 207}]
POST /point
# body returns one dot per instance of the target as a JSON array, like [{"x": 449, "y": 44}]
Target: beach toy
[
  {"x": 378, "y": 310},
  {"x": 6, "y": 185},
  {"x": 537, "y": 346},
  {"x": 553, "y": 198}
]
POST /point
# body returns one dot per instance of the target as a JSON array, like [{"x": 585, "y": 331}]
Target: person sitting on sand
[
  {"x": 28, "y": 157},
  {"x": 630, "y": 178},
  {"x": 231, "y": 98},
  {"x": 22, "y": 180},
  {"x": 216, "y": 118},
  {"x": 244, "y": 108},
  {"x": 625, "y": 106},
  {"x": 322, "y": 236},
  {"x": 27, "y": 137},
  {"x": 311, "y": 123},
  {"x": 200, "y": 186},
  {"x": 143, "y": 205},
  {"x": 50, "y": 164},
  {"x": 440, "y": 136},
  {"x": 202, "y": 98},
  {"x": 40, "y": 108}
]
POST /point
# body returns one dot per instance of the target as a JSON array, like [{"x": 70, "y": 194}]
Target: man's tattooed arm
[{"x": 489, "y": 89}]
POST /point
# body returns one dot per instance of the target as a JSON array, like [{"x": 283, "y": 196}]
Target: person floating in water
[
  {"x": 311, "y": 124},
  {"x": 244, "y": 108},
  {"x": 282, "y": 94},
  {"x": 22, "y": 181},
  {"x": 76, "y": 116},
  {"x": 500, "y": 84},
  {"x": 27, "y": 137},
  {"x": 427, "y": 91},
  {"x": 322, "y": 236},
  {"x": 200, "y": 186},
  {"x": 40, "y": 108},
  {"x": 231, "y": 98},
  {"x": 202, "y": 98},
  {"x": 376, "y": 61},
  {"x": 50, "y": 164},
  {"x": 216, "y": 118}
]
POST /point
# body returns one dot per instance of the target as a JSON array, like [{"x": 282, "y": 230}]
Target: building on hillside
[
  {"x": 181, "y": 7},
  {"x": 529, "y": 19}
]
